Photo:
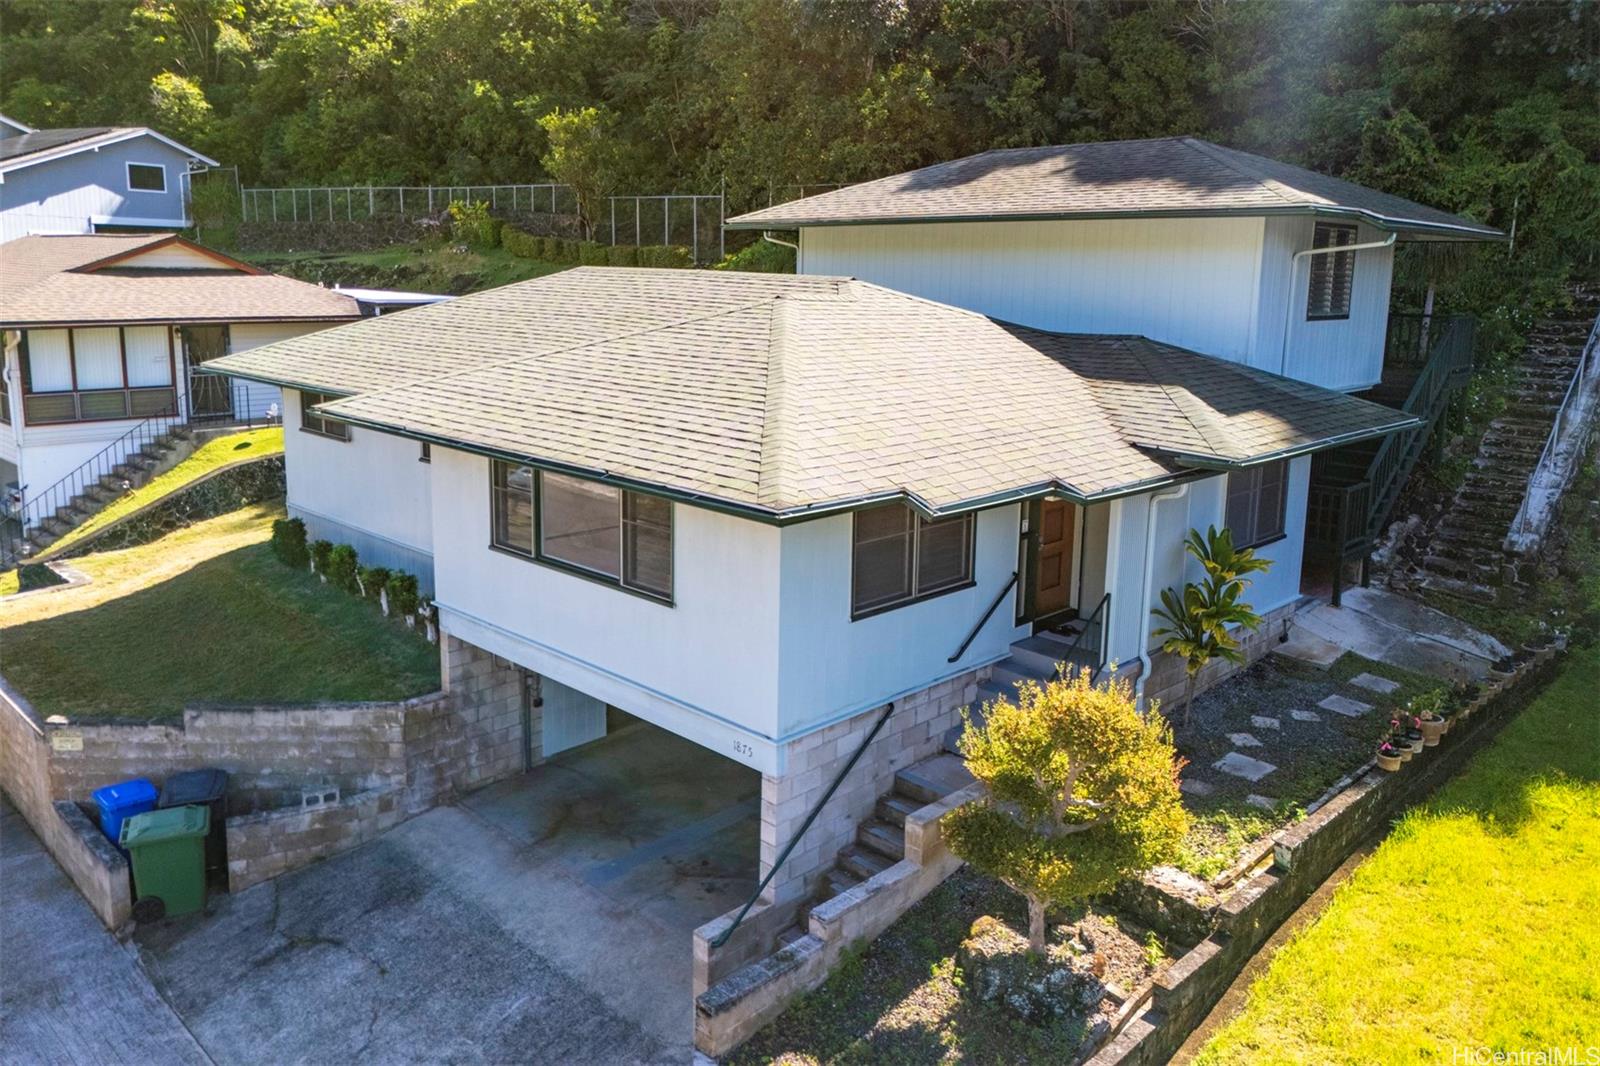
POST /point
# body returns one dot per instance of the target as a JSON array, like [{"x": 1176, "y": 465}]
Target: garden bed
[
  {"x": 1233, "y": 817},
  {"x": 907, "y": 996}
]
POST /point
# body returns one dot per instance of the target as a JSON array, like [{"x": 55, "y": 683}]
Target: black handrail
[
  {"x": 972, "y": 636},
  {"x": 821, "y": 803},
  {"x": 1099, "y": 612}
]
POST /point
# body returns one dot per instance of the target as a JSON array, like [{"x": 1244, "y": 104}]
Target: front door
[
  {"x": 1052, "y": 570},
  {"x": 210, "y": 395}
]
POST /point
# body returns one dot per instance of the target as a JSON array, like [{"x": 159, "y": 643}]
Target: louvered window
[{"x": 1332, "y": 273}]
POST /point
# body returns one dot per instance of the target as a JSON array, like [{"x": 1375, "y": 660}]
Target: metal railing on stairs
[
  {"x": 35, "y": 510},
  {"x": 1088, "y": 649},
  {"x": 965, "y": 644},
  {"x": 1550, "y": 475}
]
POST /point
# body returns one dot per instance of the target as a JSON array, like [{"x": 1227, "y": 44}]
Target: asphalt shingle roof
[
  {"x": 1174, "y": 176},
  {"x": 54, "y": 280},
  {"x": 781, "y": 394},
  {"x": 44, "y": 140}
]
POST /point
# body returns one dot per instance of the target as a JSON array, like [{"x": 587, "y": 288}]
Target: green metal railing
[{"x": 1088, "y": 650}]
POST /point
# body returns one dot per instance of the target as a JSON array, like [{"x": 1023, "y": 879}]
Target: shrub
[
  {"x": 762, "y": 257},
  {"x": 592, "y": 253},
  {"x": 522, "y": 244},
  {"x": 471, "y": 222},
  {"x": 403, "y": 596},
  {"x": 343, "y": 567},
  {"x": 623, "y": 255},
  {"x": 320, "y": 551},
  {"x": 373, "y": 578},
  {"x": 1082, "y": 792},
  {"x": 289, "y": 542},
  {"x": 665, "y": 255}
]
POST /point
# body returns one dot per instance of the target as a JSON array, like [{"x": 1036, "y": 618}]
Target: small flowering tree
[{"x": 1082, "y": 790}]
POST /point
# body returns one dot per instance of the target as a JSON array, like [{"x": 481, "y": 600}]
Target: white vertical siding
[
  {"x": 832, "y": 667},
  {"x": 370, "y": 492},
  {"x": 1337, "y": 353},
  {"x": 1190, "y": 282}
]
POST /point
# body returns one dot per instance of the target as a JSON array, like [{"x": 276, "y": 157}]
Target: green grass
[
  {"x": 204, "y": 614},
  {"x": 427, "y": 267},
  {"x": 210, "y": 456},
  {"x": 1472, "y": 925}
]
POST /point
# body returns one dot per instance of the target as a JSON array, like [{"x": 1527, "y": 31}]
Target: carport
[{"x": 545, "y": 918}]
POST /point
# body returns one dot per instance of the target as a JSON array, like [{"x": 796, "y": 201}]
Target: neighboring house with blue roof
[{"x": 93, "y": 179}]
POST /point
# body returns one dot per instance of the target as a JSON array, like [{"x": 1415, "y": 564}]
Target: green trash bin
[{"x": 168, "y": 851}]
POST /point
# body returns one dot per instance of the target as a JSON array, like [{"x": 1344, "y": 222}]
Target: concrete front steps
[
  {"x": 138, "y": 468},
  {"x": 881, "y": 840},
  {"x": 1035, "y": 658},
  {"x": 1465, "y": 555}
]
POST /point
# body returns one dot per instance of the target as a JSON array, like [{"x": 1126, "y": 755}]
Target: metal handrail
[
  {"x": 1102, "y": 613},
  {"x": 972, "y": 636},
  {"x": 1588, "y": 362},
  {"x": 788, "y": 849}
]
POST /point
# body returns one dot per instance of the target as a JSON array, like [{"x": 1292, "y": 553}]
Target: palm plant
[{"x": 1198, "y": 620}]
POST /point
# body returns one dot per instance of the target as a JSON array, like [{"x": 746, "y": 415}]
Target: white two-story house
[{"x": 780, "y": 515}]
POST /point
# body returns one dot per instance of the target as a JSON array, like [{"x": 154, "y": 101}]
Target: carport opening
[{"x": 640, "y": 815}]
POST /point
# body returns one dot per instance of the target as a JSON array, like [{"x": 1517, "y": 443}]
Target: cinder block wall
[
  {"x": 913, "y": 732},
  {"x": 488, "y": 695},
  {"x": 1166, "y": 671}
]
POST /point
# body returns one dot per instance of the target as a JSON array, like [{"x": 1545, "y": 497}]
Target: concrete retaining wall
[
  {"x": 1305, "y": 855},
  {"x": 263, "y": 845}
]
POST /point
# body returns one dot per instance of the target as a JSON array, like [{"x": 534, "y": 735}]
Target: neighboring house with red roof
[
  {"x": 105, "y": 334},
  {"x": 93, "y": 179}
]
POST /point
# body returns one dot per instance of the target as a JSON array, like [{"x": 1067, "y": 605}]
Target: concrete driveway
[{"x": 546, "y": 919}]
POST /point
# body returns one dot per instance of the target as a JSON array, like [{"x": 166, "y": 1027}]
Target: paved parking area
[{"x": 546, "y": 919}]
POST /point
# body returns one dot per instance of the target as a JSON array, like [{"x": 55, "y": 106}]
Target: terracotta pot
[{"x": 1432, "y": 730}]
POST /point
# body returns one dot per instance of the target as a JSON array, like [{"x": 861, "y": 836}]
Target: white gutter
[
  {"x": 1144, "y": 588},
  {"x": 1294, "y": 267}
]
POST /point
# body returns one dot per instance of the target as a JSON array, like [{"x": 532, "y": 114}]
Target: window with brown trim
[
  {"x": 1332, "y": 273},
  {"x": 899, "y": 557},
  {"x": 586, "y": 527},
  {"x": 1258, "y": 499},
  {"x": 96, "y": 374},
  {"x": 321, "y": 425}
]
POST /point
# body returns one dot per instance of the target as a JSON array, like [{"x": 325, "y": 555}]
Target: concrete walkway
[
  {"x": 1389, "y": 628},
  {"x": 69, "y": 993}
]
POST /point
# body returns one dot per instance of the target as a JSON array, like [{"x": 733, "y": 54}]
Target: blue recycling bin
[{"x": 121, "y": 801}]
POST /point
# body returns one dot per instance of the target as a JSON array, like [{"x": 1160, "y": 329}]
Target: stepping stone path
[
  {"x": 1266, "y": 803},
  {"x": 1373, "y": 683},
  {"x": 1345, "y": 706},
  {"x": 1243, "y": 766},
  {"x": 1243, "y": 740},
  {"x": 1193, "y": 786},
  {"x": 1261, "y": 721},
  {"x": 1305, "y": 716}
]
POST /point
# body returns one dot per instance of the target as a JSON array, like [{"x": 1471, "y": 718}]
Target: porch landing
[{"x": 1389, "y": 628}]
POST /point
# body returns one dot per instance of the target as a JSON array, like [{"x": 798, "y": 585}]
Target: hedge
[
  {"x": 289, "y": 542},
  {"x": 520, "y": 243}
]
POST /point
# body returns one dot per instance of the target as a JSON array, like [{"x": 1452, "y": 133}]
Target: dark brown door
[{"x": 1052, "y": 582}]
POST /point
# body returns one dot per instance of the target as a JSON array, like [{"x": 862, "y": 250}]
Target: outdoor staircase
[
  {"x": 881, "y": 840},
  {"x": 156, "y": 456},
  {"x": 1034, "y": 658},
  {"x": 1464, "y": 553}
]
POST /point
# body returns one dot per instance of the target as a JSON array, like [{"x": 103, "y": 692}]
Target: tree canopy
[{"x": 1483, "y": 107}]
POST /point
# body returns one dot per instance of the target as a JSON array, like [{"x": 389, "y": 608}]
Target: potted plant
[
  {"x": 1389, "y": 756},
  {"x": 1424, "y": 710}
]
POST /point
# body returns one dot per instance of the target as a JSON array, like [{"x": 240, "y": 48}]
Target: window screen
[
  {"x": 511, "y": 501},
  {"x": 147, "y": 177},
  {"x": 1332, "y": 274},
  {"x": 312, "y": 422},
  {"x": 898, "y": 557},
  {"x": 1257, "y": 499}
]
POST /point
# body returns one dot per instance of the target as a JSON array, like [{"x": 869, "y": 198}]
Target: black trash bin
[{"x": 204, "y": 788}]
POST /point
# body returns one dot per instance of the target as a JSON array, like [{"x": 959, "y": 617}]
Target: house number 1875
[{"x": 743, "y": 750}]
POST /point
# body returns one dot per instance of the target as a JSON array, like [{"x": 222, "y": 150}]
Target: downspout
[
  {"x": 766, "y": 235},
  {"x": 1176, "y": 493},
  {"x": 1294, "y": 268}
]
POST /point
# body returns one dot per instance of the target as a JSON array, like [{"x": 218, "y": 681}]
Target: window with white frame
[
  {"x": 1257, "y": 502},
  {"x": 588, "y": 527},
  {"x": 1332, "y": 273},
  {"x": 96, "y": 373},
  {"x": 899, "y": 557},
  {"x": 147, "y": 177}
]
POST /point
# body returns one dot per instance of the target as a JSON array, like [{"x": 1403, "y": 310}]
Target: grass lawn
[
  {"x": 205, "y": 613},
  {"x": 1472, "y": 925},
  {"x": 210, "y": 456},
  {"x": 428, "y": 267}
]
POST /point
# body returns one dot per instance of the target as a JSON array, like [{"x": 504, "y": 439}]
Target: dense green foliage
[
  {"x": 1482, "y": 107},
  {"x": 289, "y": 542}
]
